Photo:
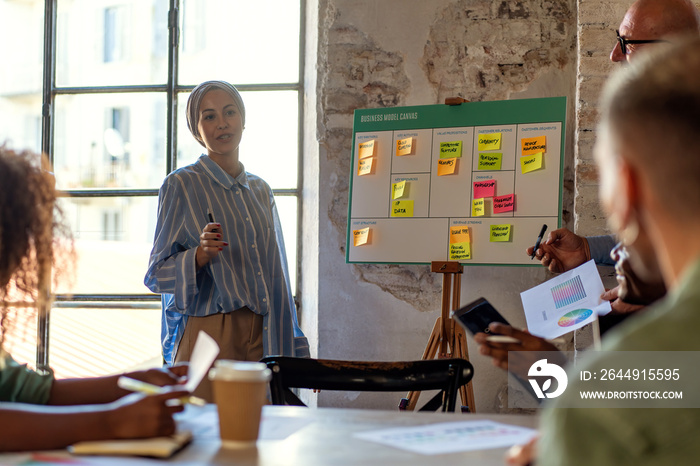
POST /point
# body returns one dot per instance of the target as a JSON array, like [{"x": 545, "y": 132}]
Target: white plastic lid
[{"x": 240, "y": 371}]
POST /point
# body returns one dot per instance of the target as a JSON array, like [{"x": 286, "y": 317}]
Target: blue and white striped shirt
[{"x": 251, "y": 271}]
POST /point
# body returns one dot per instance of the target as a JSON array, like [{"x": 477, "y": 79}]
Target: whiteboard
[{"x": 432, "y": 206}]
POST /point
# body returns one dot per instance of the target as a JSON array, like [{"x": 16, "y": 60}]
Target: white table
[{"x": 309, "y": 437}]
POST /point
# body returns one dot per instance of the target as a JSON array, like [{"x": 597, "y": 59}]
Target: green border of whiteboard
[{"x": 468, "y": 114}]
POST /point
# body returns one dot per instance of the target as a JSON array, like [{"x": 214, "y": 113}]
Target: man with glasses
[
  {"x": 650, "y": 21},
  {"x": 646, "y": 22}
]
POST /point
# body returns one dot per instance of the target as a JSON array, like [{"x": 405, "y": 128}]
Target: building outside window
[{"x": 112, "y": 140}]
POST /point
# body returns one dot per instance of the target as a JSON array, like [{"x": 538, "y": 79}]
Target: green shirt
[
  {"x": 21, "y": 384},
  {"x": 636, "y": 436}
]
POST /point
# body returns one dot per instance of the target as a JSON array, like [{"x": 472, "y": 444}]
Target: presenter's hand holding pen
[{"x": 211, "y": 242}]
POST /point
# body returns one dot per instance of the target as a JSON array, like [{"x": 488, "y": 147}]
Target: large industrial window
[{"x": 101, "y": 87}]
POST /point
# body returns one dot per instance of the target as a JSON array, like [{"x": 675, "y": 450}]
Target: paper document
[
  {"x": 451, "y": 437},
  {"x": 203, "y": 355},
  {"x": 565, "y": 303}
]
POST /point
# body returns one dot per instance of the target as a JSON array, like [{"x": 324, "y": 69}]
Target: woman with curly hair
[{"x": 38, "y": 411}]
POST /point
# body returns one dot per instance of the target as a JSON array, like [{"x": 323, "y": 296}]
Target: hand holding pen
[
  {"x": 539, "y": 240},
  {"x": 211, "y": 242}
]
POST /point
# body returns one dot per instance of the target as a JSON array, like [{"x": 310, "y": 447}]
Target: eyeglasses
[{"x": 625, "y": 42}]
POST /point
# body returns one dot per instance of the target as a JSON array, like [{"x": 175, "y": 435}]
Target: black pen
[
  {"x": 211, "y": 220},
  {"x": 539, "y": 239}
]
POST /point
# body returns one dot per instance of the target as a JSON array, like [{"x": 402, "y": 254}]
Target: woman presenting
[{"x": 218, "y": 257}]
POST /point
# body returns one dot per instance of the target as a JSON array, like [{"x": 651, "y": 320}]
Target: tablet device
[{"x": 476, "y": 316}]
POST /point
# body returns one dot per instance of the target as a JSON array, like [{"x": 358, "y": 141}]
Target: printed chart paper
[
  {"x": 451, "y": 437},
  {"x": 565, "y": 303}
]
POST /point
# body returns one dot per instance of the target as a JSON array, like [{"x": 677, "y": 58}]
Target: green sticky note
[
  {"x": 490, "y": 161},
  {"x": 449, "y": 150},
  {"x": 460, "y": 251},
  {"x": 402, "y": 208},
  {"x": 500, "y": 233}
]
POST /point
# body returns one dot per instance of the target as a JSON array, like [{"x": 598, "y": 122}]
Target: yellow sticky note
[
  {"x": 364, "y": 166},
  {"x": 446, "y": 166},
  {"x": 404, "y": 146},
  {"x": 490, "y": 141},
  {"x": 402, "y": 208},
  {"x": 478, "y": 208},
  {"x": 450, "y": 150},
  {"x": 397, "y": 189},
  {"x": 500, "y": 233},
  {"x": 366, "y": 149},
  {"x": 360, "y": 237},
  {"x": 533, "y": 145},
  {"x": 459, "y": 235},
  {"x": 531, "y": 163},
  {"x": 460, "y": 251},
  {"x": 490, "y": 161}
]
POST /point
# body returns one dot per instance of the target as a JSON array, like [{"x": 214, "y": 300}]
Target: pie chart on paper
[{"x": 574, "y": 317}]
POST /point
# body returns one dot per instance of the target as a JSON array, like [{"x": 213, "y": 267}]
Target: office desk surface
[
  {"x": 300, "y": 436},
  {"x": 324, "y": 436}
]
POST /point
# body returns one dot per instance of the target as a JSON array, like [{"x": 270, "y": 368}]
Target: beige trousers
[{"x": 238, "y": 334}]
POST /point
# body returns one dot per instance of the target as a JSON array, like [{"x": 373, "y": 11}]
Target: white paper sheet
[
  {"x": 565, "y": 303},
  {"x": 451, "y": 437},
  {"x": 203, "y": 355}
]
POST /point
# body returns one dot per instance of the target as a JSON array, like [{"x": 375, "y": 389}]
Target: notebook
[{"x": 157, "y": 447}]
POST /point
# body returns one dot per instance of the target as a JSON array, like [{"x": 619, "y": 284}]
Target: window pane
[
  {"x": 110, "y": 140},
  {"x": 101, "y": 43},
  {"x": 239, "y": 41},
  {"x": 113, "y": 239},
  {"x": 270, "y": 144},
  {"x": 96, "y": 342},
  {"x": 21, "y": 32},
  {"x": 287, "y": 208}
]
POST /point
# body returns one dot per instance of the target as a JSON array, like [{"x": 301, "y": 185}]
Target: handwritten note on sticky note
[
  {"x": 459, "y": 234},
  {"x": 530, "y": 163},
  {"x": 500, "y": 233},
  {"x": 478, "y": 208},
  {"x": 361, "y": 236},
  {"x": 533, "y": 145},
  {"x": 503, "y": 203},
  {"x": 490, "y": 141},
  {"x": 402, "y": 208},
  {"x": 450, "y": 150},
  {"x": 490, "y": 161},
  {"x": 486, "y": 188},
  {"x": 404, "y": 146},
  {"x": 366, "y": 149},
  {"x": 460, "y": 251},
  {"x": 397, "y": 189},
  {"x": 364, "y": 166},
  {"x": 446, "y": 167}
]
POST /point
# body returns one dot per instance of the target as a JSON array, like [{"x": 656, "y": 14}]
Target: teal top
[
  {"x": 638, "y": 436},
  {"x": 20, "y": 384}
]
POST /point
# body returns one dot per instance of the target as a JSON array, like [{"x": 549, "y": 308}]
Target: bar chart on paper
[
  {"x": 568, "y": 292},
  {"x": 566, "y": 302},
  {"x": 472, "y": 183}
]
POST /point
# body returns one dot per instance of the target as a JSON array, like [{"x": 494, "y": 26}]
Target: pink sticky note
[
  {"x": 485, "y": 188},
  {"x": 503, "y": 203}
]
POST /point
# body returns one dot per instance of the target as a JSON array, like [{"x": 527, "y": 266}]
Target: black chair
[{"x": 446, "y": 375}]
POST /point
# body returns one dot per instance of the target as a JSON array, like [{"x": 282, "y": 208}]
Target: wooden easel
[{"x": 446, "y": 335}]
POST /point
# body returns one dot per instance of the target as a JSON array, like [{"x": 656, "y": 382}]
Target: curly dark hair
[{"x": 31, "y": 227}]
